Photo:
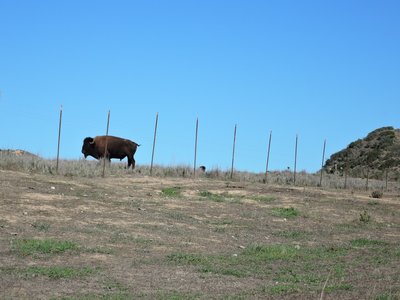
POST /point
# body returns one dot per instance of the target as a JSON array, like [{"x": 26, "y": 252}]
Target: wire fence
[
  {"x": 330, "y": 180},
  {"x": 322, "y": 178}
]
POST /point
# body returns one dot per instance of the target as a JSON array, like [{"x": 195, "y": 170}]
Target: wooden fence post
[
  {"x": 233, "y": 151},
  {"x": 154, "y": 144},
  {"x": 59, "y": 138},
  {"x": 105, "y": 147}
]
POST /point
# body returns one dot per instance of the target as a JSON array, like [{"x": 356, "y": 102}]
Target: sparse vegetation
[
  {"x": 35, "y": 246},
  {"x": 27, "y": 162},
  {"x": 365, "y": 217},
  {"x": 41, "y": 226},
  {"x": 212, "y": 196},
  {"x": 171, "y": 192},
  {"x": 77, "y": 235},
  {"x": 56, "y": 272},
  {"x": 377, "y": 154},
  {"x": 377, "y": 194},
  {"x": 285, "y": 212}
]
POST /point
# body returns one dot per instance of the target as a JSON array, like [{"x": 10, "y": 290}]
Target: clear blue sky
[{"x": 319, "y": 69}]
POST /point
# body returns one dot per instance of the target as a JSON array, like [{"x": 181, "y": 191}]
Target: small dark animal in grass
[{"x": 116, "y": 148}]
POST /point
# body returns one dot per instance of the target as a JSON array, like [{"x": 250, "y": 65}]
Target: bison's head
[{"x": 88, "y": 147}]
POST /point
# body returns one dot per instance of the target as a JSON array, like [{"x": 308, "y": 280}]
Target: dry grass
[
  {"x": 77, "y": 235},
  {"x": 90, "y": 168}
]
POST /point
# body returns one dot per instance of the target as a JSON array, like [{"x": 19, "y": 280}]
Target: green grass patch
[
  {"x": 55, "y": 272},
  {"x": 105, "y": 296},
  {"x": 175, "y": 295},
  {"x": 362, "y": 242},
  {"x": 251, "y": 261},
  {"x": 41, "y": 226},
  {"x": 264, "y": 198},
  {"x": 339, "y": 287},
  {"x": 324, "y": 253},
  {"x": 212, "y": 196},
  {"x": 173, "y": 192},
  {"x": 285, "y": 212},
  {"x": 186, "y": 259},
  {"x": 98, "y": 250},
  {"x": 290, "y": 234},
  {"x": 387, "y": 296},
  {"x": 281, "y": 289},
  {"x": 292, "y": 275},
  {"x": 27, "y": 247},
  {"x": 224, "y": 197},
  {"x": 270, "y": 252}
]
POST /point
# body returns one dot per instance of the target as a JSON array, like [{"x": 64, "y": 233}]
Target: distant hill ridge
[
  {"x": 17, "y": 152},
  {"x": 376, "y": 154}
]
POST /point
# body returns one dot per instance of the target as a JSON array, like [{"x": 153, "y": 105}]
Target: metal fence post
[
  {"x": 154, "y": 145},
  {"x": 59, "y": 138},
  {"x": 105, "y": 147}
]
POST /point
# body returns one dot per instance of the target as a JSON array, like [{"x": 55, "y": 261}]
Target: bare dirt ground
[{"x": 165, "y": 238}]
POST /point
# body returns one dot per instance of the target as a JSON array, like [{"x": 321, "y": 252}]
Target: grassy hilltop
[{"x": 376, "y": 154}]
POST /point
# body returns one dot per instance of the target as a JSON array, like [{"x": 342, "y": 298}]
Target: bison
[{"x": 116, "y": 148}]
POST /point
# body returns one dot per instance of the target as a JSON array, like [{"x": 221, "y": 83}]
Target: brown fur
[{"x": 116, "y": 148}]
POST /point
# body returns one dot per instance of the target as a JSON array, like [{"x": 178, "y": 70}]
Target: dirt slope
[{"x": 161, "y": 238}]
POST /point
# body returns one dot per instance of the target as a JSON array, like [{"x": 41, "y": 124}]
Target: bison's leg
[{"x": 131, "y": 161}]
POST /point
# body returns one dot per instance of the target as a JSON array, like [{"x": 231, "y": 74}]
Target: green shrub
[{"x": 365, "y": 217}]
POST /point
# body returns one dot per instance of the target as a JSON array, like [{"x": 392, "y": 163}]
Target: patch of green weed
[
  {"x": 173, "y": 192},
  {"x": 270, "y": 252},
  {"x": 264, "y": 198},
  {"x": 27, "y": 247},
  {"x": 55, "y": 272},
  {"x": 285, "y": 212},
  {"x": 362, "y": 242},
  {"x": 212, "y": 196},
  {"x": 339, "y": 287},
  {"x": 289, "y": 234},
  {"x": 186, "y": 259},
  {"x": 281, "y": 289},
  {"x": 365, "y": 217},
  {"x": 41, "y": 226},
  {"x": 387, "y": 296}
]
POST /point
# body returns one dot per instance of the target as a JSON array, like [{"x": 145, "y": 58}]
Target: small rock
[{"x": 53, "y": 187}]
